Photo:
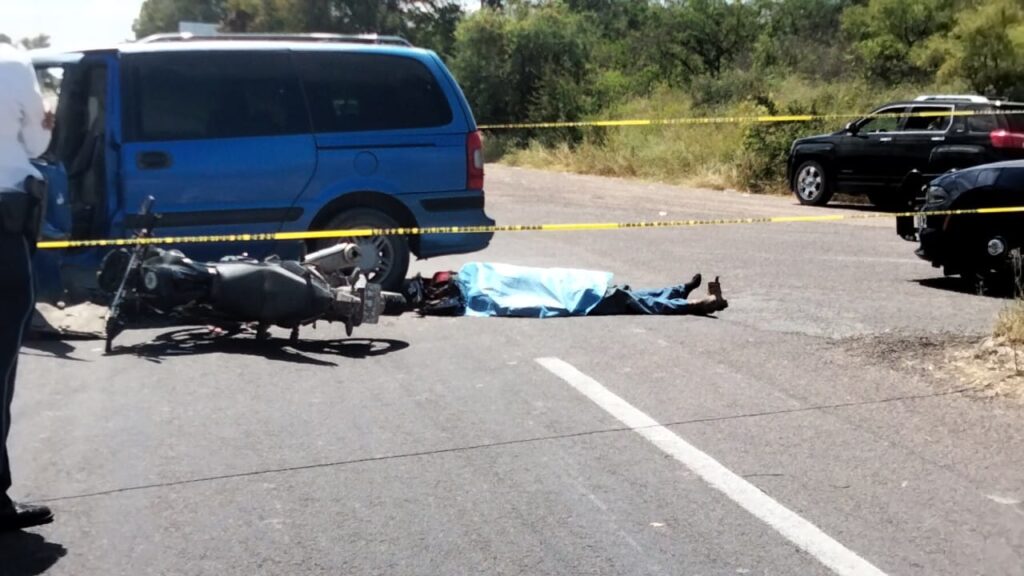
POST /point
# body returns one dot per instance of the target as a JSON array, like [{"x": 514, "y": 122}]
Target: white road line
[{"x": 794, "y": 528}]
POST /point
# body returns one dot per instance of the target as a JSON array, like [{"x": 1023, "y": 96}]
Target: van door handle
[
  {"x": 938, "y": 138},
  {"x": 153, "y": 160},
  {"x": 885, "y": 139}
]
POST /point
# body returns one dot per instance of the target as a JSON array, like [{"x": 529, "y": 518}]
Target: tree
[
  {"x": 697, "y": 37},
  {"x": 527, "y": 62},
  {"x": 483, "y": 46},
  {"x": 263, "y": 16},
  {"x": 237, "y": 20},
  {"x": 157, "y": 16},
  {"x": 427, "y": 23},
  {"x": 39, "y": 41},
  {"x": 890, "y": 36},
  {"x": 5, "y": 39},
  {"x": 550, "y": 64},
  {"x": 985, "y": 49},
  {"x": 434, "y": 28},
  {"x": 801, "y": 36}
]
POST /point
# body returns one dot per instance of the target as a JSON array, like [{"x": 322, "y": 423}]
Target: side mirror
[{"x": 851, "y": 128}]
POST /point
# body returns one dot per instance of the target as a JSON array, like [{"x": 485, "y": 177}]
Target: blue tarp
[{"x": 506, "y": 290}]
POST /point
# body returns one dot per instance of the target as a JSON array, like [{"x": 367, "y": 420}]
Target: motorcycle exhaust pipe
[{"x": 337, "y": 257}]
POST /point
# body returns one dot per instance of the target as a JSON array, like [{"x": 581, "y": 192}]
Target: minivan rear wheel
[
  {"x": 385, "y": 259},
  {"x": 811, "y": 185}
]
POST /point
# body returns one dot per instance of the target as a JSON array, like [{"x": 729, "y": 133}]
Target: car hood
[
  {"x": 957, "y": 182},
  {"x": 817, "y": 138}
]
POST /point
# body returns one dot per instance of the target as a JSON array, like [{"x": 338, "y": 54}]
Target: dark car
[
  {"x": 890, "y": 154},
  {"x": 975, "y": 246}
]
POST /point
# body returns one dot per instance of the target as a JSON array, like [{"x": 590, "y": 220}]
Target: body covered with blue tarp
[{"x": 492, "y": 289}]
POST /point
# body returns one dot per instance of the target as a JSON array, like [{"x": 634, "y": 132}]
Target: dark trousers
[
  {"x": 16, "y": 304},
  {"x": 624, "y": 300}
]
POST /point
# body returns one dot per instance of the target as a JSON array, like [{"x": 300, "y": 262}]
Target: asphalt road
[{"x": 807, "y": 430}]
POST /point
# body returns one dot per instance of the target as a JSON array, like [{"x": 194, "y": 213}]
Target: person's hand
[{"x": 49, "y": 120}]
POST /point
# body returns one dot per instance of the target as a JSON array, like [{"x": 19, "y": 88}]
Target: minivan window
[
  {"x": 205, "y": 95},
  {"x": 352, "y": 92},
  {"x": 928, "y": 123}
]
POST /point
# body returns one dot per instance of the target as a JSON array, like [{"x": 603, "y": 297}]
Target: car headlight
[{"x": 936, "y": 195}]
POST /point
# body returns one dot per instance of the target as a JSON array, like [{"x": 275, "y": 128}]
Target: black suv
[{"x": 893, "y": 152}]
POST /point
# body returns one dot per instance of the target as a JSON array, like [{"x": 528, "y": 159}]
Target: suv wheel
[
  {"x": 385, "y": 259},
  {"x": 810, "y": 184}
]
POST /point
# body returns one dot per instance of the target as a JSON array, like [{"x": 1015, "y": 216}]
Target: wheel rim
[
  {"x": 376, "y": 258},
  {"x": 809, "y": 183}
]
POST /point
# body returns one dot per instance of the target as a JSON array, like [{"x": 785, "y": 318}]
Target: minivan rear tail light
[
  {"x": 474, "y": 161},
  {"x": 1006, "y": 139}
]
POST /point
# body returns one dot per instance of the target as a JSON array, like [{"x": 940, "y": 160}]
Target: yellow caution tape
[
  {"x": 569, "y": 227},
  {"x": 740, "y": 119}
]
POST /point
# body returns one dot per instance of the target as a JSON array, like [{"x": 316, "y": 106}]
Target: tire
[
  {"x": 387, "y": 257},
  {"x": 810, "y": 184},
  {"x": 984, "y": 274}
]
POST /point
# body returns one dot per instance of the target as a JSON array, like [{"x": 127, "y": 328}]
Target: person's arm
[{"x": 35, "y": 122}]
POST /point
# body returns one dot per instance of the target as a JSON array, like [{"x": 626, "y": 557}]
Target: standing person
[{"x": 25, "y": 129}]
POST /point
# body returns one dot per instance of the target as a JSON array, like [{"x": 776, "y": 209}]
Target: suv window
[
  {"x": 1014, "y": 120},
  {"x": 888, "y": 122},
  {"x": 983, "y": 121},
  {"x": 350, "y": 92},
  {"x": 204, "y": 95},
  {"x": 928, "y": 123}
]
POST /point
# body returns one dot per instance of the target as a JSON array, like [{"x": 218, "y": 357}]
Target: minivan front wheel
[
  {"x": 810, "y": 184},
  {"x": 384, "y": 259}
]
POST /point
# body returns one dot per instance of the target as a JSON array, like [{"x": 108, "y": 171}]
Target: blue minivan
[{"x": 259, "y": 135}]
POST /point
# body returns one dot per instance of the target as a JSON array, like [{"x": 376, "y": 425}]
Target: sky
[
  {"x": 71, "y": 24},
  {"x": 76, "y": 24}
]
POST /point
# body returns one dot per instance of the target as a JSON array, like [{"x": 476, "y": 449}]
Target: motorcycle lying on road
[{"x": 152, "y": 287}]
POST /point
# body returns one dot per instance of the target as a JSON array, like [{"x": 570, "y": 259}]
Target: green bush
[{"x": 765, "y": 147}]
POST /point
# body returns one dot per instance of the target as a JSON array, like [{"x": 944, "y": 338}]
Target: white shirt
[{"x": 22, "y": 136}]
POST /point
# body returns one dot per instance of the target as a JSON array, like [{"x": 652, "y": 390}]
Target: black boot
[
  {"x": 19, "y": 516},
  {"x": 715, "y": 302},
  {"x": 692, "y": 285}
]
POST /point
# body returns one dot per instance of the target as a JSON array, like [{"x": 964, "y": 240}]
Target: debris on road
[
  {"x": 85, "y": 320},
  {"x": 493, "y": 289}
]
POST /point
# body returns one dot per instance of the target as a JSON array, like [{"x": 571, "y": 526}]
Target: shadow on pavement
[
  {"x": 27, "y": 554},
  {"x": 192, "y": 341},
  {"x": 961, "y": 286},
  {"x": 860, "y": 207},
  {"x": 52, "y": 347},
  {"x": 858, "y": 204}
]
